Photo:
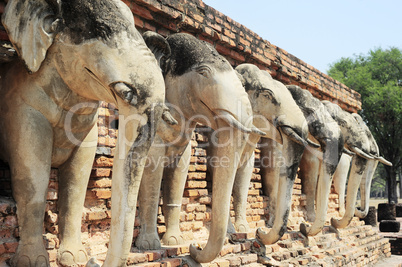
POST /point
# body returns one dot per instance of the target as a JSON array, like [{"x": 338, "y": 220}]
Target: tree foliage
[{"x": 377, "y": 76}]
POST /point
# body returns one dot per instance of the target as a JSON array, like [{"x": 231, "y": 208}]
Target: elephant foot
[
  {"x": 73, "y": 256},
  {"x": 30, "y": 256},
  {"x": 242, "y": 226},
  {"x": 92, "y": 263},
  {"x": 231, "y": 229},
  {"x": 335, "y": 223},
  {"x": 172, "y": 238},
  {"x": 148, "y": 241},
  {"x": 305, "y": 229}
]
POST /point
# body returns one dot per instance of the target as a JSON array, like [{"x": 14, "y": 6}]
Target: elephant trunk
[
  {"x": 323, "y": 190},
  {"x": 222, "y": 184},
  {"x": 332, "y": 152},
  {"x": 292, "y": 153},
  {"x": 128, "y": 168},
  {"x": 365, "y": 186},
  {"x": 359, "y": 165}
]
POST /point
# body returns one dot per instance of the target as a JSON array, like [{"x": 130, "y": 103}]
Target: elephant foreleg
[
  {"x": 73, "y": 181},
  {"x": 30, "y": 142},
  {"x": 149, "y": 197},
  {"x": 174, "y": 178}
]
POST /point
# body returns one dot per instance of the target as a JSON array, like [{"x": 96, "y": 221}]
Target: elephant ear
[
  {"x": 241, "y": 78},
  {"x": 159, "y": 47},
  {"x": 248, "y": 74},
  {"x": 31, "y": 26}
]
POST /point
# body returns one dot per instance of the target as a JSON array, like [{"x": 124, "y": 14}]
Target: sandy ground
[
  {"x": 375, "y": 201},
  {"x": 393, "y": 261}
]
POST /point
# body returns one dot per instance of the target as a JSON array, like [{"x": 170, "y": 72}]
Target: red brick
[
  {"x": 101, "y": 183},
  {"x": 2, "y": 249},
  {"x": 96, "y": 215},
  {"x": 101, "y": 193},
  {"x": 11, "y": 247},
  {"x": 103, "y": 162},
  {"x": 141, "y": 11},
  {"x": 171, "y": 262}
]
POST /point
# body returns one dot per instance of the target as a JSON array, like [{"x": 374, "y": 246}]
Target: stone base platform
[{"x": 356, "y": 245}]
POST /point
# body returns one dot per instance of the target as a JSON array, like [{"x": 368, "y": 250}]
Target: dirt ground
[{"x": 375, "y": 201}]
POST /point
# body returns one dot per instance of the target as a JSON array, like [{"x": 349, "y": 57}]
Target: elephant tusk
[
  {"x": 229, "y": 119},
  {"x": 361, "y": 153},
  {"x": 383, "y": 161},
  {"x": 348, "y": 152},
  {"x": 293, "y": 135},
  {"x": 313, "y": 144},
  {"x": 167, "y": 117},
  {"x": 258, "y": 131}
]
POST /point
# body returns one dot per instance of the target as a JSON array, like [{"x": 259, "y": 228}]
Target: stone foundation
[{"x": 356, "y": 245}]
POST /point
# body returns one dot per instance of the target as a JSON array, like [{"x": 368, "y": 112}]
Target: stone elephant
[
  {"x": 363, "y": 163},
  {"x": 317, "y": 169},
  {"x": 201, "y": 87},
  {"x": 278, "y": 115},
  {"x": 72, "y": 54}
]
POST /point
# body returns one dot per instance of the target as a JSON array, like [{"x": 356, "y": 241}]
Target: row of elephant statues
[{"x": 72, "y": 54}]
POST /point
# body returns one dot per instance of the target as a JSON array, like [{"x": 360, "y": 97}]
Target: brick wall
[{"x": 238, "y": 44}]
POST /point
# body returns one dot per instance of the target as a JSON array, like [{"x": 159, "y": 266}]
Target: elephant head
[
  {"x": 357, "y": 141},
  {"x": 77, "y": 53},
  {"x": 272, "y": 102},
  {"x": 327, "y": 132},
  {"x": 203, "y": 86},
  {"x": 276, "y": 113}
]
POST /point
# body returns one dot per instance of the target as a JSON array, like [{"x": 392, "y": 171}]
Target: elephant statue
[
  {"x": 363, "y": 163},
  {"x": 276, "y": 113},
  {"x": 317, "y": 169},
  {"x": 71, "y": 55},
  {"x": 201, "y": 87},
  {"x": 339, "y": 180}
]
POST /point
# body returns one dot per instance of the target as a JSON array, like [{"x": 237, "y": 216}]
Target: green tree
[{"x": 377, "y": 76}]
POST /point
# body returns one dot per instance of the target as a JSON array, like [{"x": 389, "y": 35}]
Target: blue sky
[{"x": 320, "y": 32}]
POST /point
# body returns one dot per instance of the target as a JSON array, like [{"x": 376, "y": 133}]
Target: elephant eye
[
  {"x": 204, "y": 70},
  {"x": 267, "y": 93}
]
